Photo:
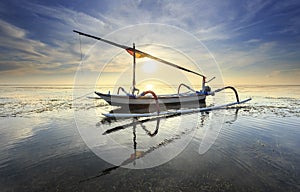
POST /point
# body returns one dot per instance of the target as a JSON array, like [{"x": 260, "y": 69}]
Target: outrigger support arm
[
  {"x": 228, "y": 87},
  {"x": 122, "y": 89},
  {"x": 188, "y": 87}
]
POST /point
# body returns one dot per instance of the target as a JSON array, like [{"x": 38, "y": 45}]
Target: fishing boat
[{"x": 134, "y": 100}]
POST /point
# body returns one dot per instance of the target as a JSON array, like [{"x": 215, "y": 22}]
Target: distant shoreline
[{"x": 72, "y": 85}]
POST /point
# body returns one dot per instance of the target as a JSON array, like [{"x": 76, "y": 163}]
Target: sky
[{"x": 253, "y": 42}]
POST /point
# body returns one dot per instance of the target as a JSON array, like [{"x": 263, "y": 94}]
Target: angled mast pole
[
  {"x": 140, "y": 54},
  {"x": 100, "y": 39}
]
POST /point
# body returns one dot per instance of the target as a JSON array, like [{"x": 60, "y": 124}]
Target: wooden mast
[{"x": 133, "y": 72}]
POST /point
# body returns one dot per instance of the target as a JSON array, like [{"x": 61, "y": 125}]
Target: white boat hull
[
  {"x": 145, "y": 101},
  {"x": 174, "y": 112}
]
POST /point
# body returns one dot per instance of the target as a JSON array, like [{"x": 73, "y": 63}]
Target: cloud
[
  {"x": 273, "y": 74},
  {"x": 250, "y": 35},
  {"x": 253, "y": 41},
  {"x": 254, "y": 8},
  {"x": 217, "y": 32},
  {"x": 62, "y": 19},
  {"x": 7, "y": 29},
  {"x": 284, "y": 76},
  {"x": 24, "y": 55},
  {"x": 8, "y": 67},
  {"x": 14, "y": 38},
  {"x": 252, "y": 60}
]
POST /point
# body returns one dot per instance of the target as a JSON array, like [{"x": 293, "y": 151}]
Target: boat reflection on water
[
  {"x": 143, "y": 123},
  {"x": 151, "y": 109}
]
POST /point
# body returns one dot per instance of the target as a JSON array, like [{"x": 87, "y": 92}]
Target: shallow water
[{"x": 254, "y": 147}]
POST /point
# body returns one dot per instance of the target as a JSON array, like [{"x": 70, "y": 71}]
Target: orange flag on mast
[{"x": 138, "y": 54}]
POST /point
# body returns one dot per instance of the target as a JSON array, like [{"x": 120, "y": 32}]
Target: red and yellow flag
[{"x": 138, "y": 54}]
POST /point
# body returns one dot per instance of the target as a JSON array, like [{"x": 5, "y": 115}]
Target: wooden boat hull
[{"x": 145, "y": 102}]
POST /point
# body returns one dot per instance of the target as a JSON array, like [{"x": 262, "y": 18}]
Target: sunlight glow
[
  {"x": 149, "y": 66},
  {"x": 149, "y": 87}
]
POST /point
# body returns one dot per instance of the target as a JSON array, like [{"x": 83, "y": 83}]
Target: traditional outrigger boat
[{"x": 134, "y": 100}]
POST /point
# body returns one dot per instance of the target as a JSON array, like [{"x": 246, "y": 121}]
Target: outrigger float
[{"x": 136, "y": 101}]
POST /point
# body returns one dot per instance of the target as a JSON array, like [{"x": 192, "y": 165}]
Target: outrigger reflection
[{"x": 139, "y": 103}]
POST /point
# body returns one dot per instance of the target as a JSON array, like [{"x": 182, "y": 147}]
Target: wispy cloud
[
  {"x": 214, "y": 33},
  {"x": 23, "y": 54},
  {"x": 252, "y": 35},
  {"x": 14, "y": 38},
  {"x": 285, "y": 76},
  {"x": 253, "y": 41},
  {"x": 254, "y": 59}
]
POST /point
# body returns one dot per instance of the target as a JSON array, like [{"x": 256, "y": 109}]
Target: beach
[{"x": 44, "y": 146}]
